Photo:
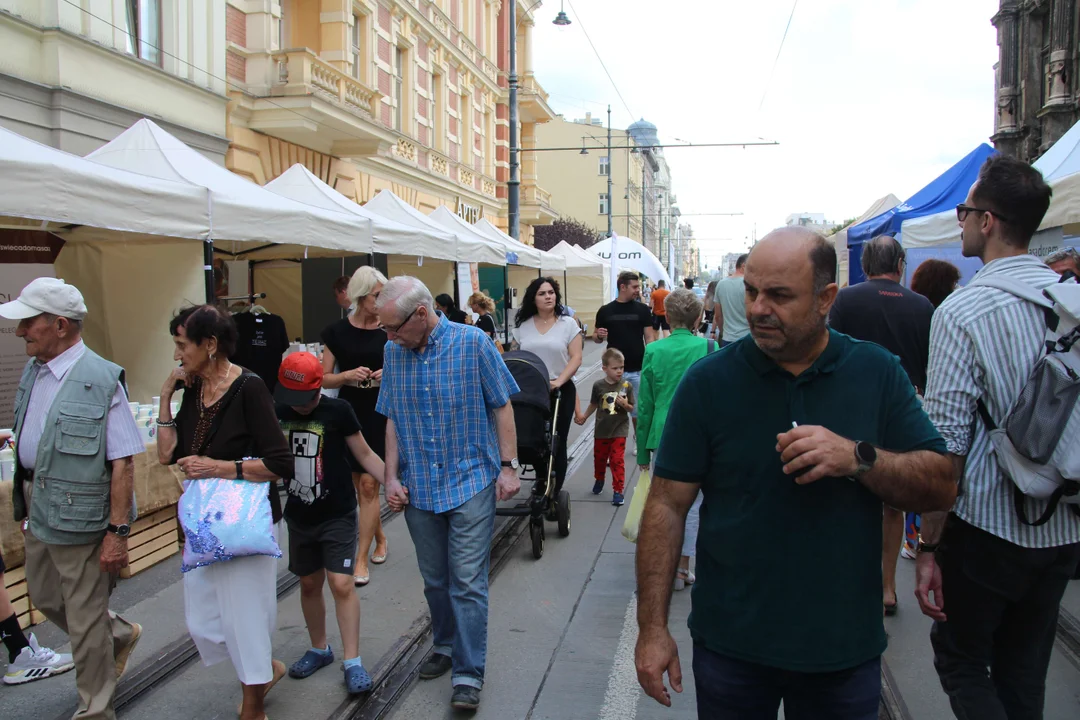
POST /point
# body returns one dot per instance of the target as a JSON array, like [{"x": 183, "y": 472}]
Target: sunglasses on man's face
[{"x": 963, "y": 210}]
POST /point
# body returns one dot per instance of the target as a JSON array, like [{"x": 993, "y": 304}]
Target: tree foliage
[{"x": 574, "y": 232}]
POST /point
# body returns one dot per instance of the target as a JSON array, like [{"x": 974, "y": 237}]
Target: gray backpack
[{"x": 1037, "y": 445}]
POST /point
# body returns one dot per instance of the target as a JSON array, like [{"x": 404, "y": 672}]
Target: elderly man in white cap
[{"x": 74, "y": 485}]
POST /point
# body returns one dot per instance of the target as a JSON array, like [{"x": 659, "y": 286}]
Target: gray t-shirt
[
  {"x": 731, "y": 299},
  {"x": 553, "y": 347}
]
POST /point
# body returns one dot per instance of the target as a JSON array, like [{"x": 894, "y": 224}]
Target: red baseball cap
[{"x": 299, "y": 379}]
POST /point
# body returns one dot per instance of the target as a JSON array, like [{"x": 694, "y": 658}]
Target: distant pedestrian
[
  {"x": 997, "y": 578},
  {"x": 341, "y": 293},
  {"x": 794, "y": 435},
  {"x": 935, "y": 280},
  {"x": 883, "y": 311},
  {"x": 321, "y": 511},
  {"x": 226, "y": 428},
  {"x": 710, "y": 314},
  {"x": 74, "y": 479},
  {"x": 656, "y": 301},
  {"x": 1066, "y": 260},
  {"x": 688, "y": 283},
  {"x": 666, "y": 361},
  {"x": 612, "y": 399},
  {"x": 445, "y": 304},
  {"x": 543, "y": 329},
  {"x": 729, "y": 312},
  {"x": 451, "y": 448},
  {"x": 483, "y": 306},
  {"x": 626, "y": 325}
]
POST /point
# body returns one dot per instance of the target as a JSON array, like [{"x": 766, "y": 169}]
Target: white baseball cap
[{"x": 46, "y": 295}]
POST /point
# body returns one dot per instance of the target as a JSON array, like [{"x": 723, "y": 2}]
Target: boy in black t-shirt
[{"x": 321, "y": 510}]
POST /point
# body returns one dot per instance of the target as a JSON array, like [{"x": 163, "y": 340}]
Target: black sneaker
[
  {"x": 436, "y": 665},
  {"x": 465, "y": 697}
]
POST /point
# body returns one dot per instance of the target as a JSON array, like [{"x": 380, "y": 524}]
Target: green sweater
[{"x": 666, "y": 361}]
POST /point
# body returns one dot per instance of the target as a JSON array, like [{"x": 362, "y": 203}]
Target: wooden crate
[
  {"x": 15, "y": 584},
  {"x": 153, "y": 539}
]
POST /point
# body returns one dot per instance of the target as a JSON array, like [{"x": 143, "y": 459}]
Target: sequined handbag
[{"x": 225, "y": 519}]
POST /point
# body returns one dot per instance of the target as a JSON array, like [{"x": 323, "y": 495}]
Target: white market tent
[
  {"x": 247, "y": 221},
  {"x": 517, "y": 253},
  {"x": 633, "y": 256},
  {"x": 390, "y": 237},
  {"x": 587, "y": 282},
  {"x": 840, "y": 238},
  {"x": 117, "y": 227},
  {"x": 438, "y": 275},
  {"x": 524, "y": 263}
]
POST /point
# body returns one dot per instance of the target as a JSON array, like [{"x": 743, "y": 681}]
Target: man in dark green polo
[{"x": 795, "y": 435}]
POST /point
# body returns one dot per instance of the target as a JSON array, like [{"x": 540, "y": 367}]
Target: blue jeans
[
  {"x": 453, "y": 550},
  {"x": 634, "y": 378},
  {"x": 729, "y": 689}
]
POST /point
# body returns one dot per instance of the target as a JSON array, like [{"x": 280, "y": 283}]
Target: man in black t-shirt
[
  {"x": 321, "y": 510},
  {"x": 883, "y": 311},
  {"x": 626, "y": 325}
]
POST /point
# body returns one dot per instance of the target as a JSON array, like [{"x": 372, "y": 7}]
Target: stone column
[
  {"x": 1059, "y": 72},
  {"x": 1008, "y": 91},
  {"x": 334, "y": 20}
]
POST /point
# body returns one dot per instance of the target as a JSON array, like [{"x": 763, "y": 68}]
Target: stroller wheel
[
  {"x": 562, "y": 513},
  {"x": 536, "y": 534}
]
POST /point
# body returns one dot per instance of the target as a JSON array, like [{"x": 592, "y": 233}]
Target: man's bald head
[{"x": 801, "y": 246}]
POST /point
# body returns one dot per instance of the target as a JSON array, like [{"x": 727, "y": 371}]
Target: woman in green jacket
[{"x": 666, "y": 361}]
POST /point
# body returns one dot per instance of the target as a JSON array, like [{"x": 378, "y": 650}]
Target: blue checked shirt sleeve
[
  {"x": 495, "y": 378},
  {"x": 385, "y": 404}
]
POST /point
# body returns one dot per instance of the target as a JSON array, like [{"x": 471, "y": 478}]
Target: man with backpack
[{"x": 997, "y": 565}]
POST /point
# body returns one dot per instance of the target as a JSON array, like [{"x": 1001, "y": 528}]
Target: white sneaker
[
  {"x": 907, "y": 554},
  {"x": 37, "y": 663}
]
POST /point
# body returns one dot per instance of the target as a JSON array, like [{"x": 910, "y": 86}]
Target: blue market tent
[{"x": 945, "y": 192}]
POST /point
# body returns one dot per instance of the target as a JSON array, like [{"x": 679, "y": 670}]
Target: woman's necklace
[{"x": 219, "y": 382}]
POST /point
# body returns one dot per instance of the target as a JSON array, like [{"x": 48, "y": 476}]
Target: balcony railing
[
  {"x": 301, "y": 72},
  {"x": 534, "y": 195},
  {"x": 529, "y": 85}
]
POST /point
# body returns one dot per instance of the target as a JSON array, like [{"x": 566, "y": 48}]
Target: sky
[{"x": 868, "y": 97}]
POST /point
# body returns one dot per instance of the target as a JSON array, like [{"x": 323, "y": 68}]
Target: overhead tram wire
[
  {"x": 581, "y": 23},
  {"x": 776, "y": 60}
]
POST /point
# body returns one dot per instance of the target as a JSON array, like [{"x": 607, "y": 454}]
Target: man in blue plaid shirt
[{"x": 451, "y": 452}]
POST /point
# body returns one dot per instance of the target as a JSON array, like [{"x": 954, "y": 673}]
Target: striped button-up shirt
[
  {"x": 442, "y": 402},
  {"x": 984, "y": 343},
  {"x": 122, "y": 435}
]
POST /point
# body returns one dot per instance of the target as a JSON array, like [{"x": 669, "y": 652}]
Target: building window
[
  {"x": 603, "y": 203},
  {"x": 399, "y": 99},
  {"x": 605, "y": 165},
  {"x": 357, "y": 43},
  {"x": 144, "y": 29}
]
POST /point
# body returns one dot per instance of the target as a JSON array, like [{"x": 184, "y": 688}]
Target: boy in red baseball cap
[{"x": 321, "y": 510}]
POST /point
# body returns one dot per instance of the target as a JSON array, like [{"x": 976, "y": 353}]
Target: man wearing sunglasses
[
  {"x": 451, "y": 452},
  {"x": 996, "y": 581}
]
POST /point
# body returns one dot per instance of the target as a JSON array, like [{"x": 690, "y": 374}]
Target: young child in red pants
[{"x": 613, "y": 401}]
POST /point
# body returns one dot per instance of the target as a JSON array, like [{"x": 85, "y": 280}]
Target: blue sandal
[
  {"x": 357, "y": 679},
  {"x": 312, "y": 661}
]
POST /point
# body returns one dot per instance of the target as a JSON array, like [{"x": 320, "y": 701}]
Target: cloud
[{"x": 867, "y": 98}]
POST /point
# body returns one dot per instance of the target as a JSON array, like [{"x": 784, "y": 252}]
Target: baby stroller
[{"x": 534, "y": 416}]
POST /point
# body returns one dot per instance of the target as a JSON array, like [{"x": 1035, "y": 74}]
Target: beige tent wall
[
  {"x": 283, "y": 284},
  {"x": 520, "y": 277},
  {"x": 438, "y": 275},
  {"x": 585, "y": 293},
  {"x": 132, "y": 292}
]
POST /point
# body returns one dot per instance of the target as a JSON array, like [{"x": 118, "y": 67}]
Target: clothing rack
[{"x": 250, "y": 298}]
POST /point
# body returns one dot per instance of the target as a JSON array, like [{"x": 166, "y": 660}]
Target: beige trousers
[{"x": 66, "y": 583}]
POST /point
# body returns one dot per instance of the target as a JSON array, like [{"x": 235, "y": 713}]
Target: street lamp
[
  {"x": 561, "y": 20},
  {"x": 513, "y": 184}
]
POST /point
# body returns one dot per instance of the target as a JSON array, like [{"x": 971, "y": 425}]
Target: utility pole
[
  {"x": 610, "y": 200},
  {"x": 644, "y": 235},
  {"x": 513, "y": 185}
]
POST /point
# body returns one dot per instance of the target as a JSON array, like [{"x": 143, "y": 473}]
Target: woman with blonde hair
[
  {"x": 483, "y": 306},
  {"x": 355, "y": 345}
]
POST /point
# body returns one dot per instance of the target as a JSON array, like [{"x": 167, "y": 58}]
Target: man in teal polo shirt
[{"x": 793, "y": 434}]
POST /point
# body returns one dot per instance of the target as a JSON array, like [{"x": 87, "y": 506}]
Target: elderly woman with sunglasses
[{"x": 355, "y": 345}]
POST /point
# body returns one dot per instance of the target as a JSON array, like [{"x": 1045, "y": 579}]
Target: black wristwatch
[
  {"x": 119, "y": 530},
  {"x": 866, "y": 456},
  {"x": 927, "y": 547},
  {"x": 239, "y": 469},
  {"x": 511, "y": 463}
]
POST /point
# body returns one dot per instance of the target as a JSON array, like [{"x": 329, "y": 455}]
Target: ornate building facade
[
  {"x": 1038, "y": 93},
  {"x": 406, "y": 95}
]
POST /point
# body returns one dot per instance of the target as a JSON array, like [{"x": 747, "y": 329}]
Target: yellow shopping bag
[{"x": 637, "y": 507}]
